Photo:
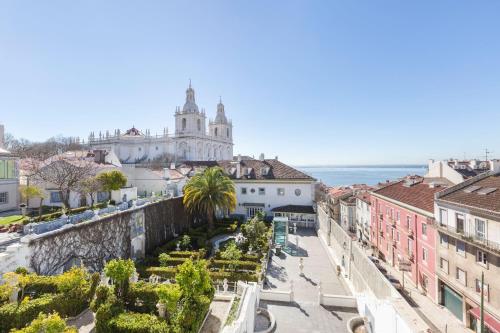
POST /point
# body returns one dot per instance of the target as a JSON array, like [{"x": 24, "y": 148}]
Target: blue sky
[{"x": 314, "y": 82}]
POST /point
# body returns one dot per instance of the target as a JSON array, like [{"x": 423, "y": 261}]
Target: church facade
[{"x": 191, "y": 141}]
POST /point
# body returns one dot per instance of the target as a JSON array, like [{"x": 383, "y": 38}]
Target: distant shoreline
[{"x": 374, "y": 166}]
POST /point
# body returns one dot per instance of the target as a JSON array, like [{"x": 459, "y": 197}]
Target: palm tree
[{"x": 208, "y": 192}]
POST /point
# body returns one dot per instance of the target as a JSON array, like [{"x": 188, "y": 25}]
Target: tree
[
  {"x": 185, "y": 242},
  {"x": 90, "y": 187},
  {"x": 169, "y": 294},
  {"x": 63, "y": 172},
  {"x": 112, "y": 180},
  {"x": 232, "y": 253},
  {"x": 209, "y": 191},
  {"x": 120, "y": 271},
  {"x": 30, "y": 192},
  {"x": 194, "y": 279},
  {"x": 255, "y": 232}
]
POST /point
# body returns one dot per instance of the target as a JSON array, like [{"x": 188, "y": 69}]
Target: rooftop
[
  {"x": 482, "y": 194},
  {"x": 412, "y": 191}
]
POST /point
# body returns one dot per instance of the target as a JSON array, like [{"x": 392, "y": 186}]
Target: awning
[
  {"x": 489, "y": 321},
  {"x": 250, "y": 204}
]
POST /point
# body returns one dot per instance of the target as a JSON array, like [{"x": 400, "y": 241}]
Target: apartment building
[{"x": 468, "y": 227}]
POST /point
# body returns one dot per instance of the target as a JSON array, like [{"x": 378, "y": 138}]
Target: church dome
[
  {"x": 190, "y": 105},
  {"x": 220, "y": 118}
]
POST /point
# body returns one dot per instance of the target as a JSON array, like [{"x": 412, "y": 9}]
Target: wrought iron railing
[{"x": 469, "y": 236}]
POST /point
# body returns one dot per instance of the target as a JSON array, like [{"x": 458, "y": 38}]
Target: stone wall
[
  {"x": 164, "y": 221},
  {"x": 122, "y": 234}
]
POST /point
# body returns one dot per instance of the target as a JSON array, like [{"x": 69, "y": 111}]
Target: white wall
[
  {"x": 271, "y": 199},
  {"x": 438, "y": 169},
  {"x": 11, "y": 187},
  {"x": 363, "y": 217}
]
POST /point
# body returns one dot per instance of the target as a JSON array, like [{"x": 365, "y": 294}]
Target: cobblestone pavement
[{"x": 284, "y": 268}]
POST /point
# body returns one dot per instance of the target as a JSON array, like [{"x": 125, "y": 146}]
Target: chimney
[
  {"x": 172, "y": 166},
  {"x": 495, "y": 166},
  {"x": 261, "y": 157},
  {"x": 239, "y": 157},
  {"x": 276, "y": 157},
  {"x": 2, "y": 138}
]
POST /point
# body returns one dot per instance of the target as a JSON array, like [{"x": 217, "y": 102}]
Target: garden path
[{"x": 84, "y": 322}]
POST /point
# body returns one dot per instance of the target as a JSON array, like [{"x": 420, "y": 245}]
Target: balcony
[
  {"x": 411, "y": 257},
  {"x": 410, "y": 233},
  {"x": 394, "y": 243},
  {"x": 469, "y": 237}
]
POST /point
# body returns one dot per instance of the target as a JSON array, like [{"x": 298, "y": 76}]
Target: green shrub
[
  {"x": 233, "y": 276},
  {"x": 52, "y": 323},
  {"x": 191, "y": 314},
  {"x": 101, "y": 296},
  {"x": 164, "y": 272},
  {"x": 120, "y": 271},
  {"x": 106, "y": 311},
  {"x": 163, "y": 259},
  {"x": 238, "y": 264},
  {"x": 142, "y": 297},
  {"x": 184, "y": 254},
  {"x": 40, "y": 284},
  {"x": 137, "y": 323},
  {"x": 13, "y": 315},
  {"x": 172, "y": 262}
]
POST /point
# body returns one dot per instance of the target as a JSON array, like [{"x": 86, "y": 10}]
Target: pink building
[{"x": 403, "y": 230}]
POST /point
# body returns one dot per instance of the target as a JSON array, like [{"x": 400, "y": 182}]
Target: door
[{"x": 452, "y": 301}]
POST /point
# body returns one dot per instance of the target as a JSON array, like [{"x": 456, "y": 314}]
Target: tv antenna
[{"x": 487, "y": 152}]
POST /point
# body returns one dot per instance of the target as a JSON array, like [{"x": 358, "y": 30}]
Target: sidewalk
[{"x": 436, "y": 316}]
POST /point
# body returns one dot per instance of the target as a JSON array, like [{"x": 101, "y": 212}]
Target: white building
[
  {"x": 9, "y": 177},
  {"x": 348, "y": 213},
  {"x": 266, "y": 185},
  {"x": 190, "y": 142},
  {"x": 363, "y": 219},
  {"x": 457, "y": 171}
]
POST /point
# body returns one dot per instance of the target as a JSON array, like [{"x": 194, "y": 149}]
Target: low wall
[
  {"x": 367, "y": 281},
  {"x": 245, "y": 317},
  {"x": 277, "y": 296},
  {"x": 128, "y": 233},
  {"x": 339, "y": 301}
]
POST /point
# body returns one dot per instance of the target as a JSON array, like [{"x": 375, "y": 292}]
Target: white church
[{"x": 190, "y": 142}]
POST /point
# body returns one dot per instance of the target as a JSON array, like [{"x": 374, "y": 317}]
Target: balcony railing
[
  {"x": 471, "y": 237},
  {"x": 411, "y": 257},
  {"x": 410, "y": 233}
]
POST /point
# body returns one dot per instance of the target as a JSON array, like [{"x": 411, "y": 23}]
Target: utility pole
[
  {"x": 482, "y": 302},
  {"x": 487, "y": 152}
]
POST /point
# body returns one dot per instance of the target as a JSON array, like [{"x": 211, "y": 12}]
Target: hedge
[
  {"x": 184, "y": 254},
  {"x": 40, "y": 284},
  {"x": 13, "y": 315},
  {"x": 170, "y": 272},
  {"x": 173, "y": 262},
  {"x": 129, "y": 322},
  {"x": 249, "y": 265},
  {"x": 142, "y": 297}
]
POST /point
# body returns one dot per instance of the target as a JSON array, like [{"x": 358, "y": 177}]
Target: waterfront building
[
  {"x": 190, "y": 142},
  {"x": 348, "y": 213},
  {"x": 9, "y": 177},
  {"x": 468, "y": 225},
  {"x": 402, "y": 227}
]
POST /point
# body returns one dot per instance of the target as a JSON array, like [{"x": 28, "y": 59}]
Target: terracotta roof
[
  {"x": 490, "y": 201},
  {"x": 418, "y": 195},
  {"x": 252, "y": 169},
  {"x": 364, "y": 196},
  {"x": 349, "y": 200},
  {"x": 294, "y": 209},
  {"x": 338, "y": 191}
]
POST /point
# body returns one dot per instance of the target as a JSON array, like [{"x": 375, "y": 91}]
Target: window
[
  {"x": 140, "y": 148},
  {"x": 480, "y": 229},
  {"x": 408, "y": 222},
  {"x": 102, "y": 196},
  {"x": 281, "y": 191},
  {"x": 156, "y": 148},
  {"x": 424, "y": 229},
  {"x": 397, "y": 215},
  {"x": 198, "y": 122},
  {"x": 397, "y": 236},
  {"x": 298, "y": 192},
  {"x": 460, "y": 248},
  {"x": 4, "y": 198},
  {"x": 252, "y": 190},
  {"x": 461, "y": 276},
  {"x": 444, "y": 265},
  {"x": 55, "y": 197},
  {"x": 425, "y": 254},
  {"x": 243, "y": 190},
  {"x": 252, "y": 211},
  {"x": 443, "y": 240},
  {"x": 460, "y": 223},
  {"x": 262, "y": 191},
  {"x": 410, "y": 247},
  {"x": 486, "y": 289},
  {"x": 216, "y": 131},
  {"x": 184, "y": 123},
  {"x": 443, "y": 216},
  {"x": 481, "y": 258},
  {"x": 227, "y": 132}
]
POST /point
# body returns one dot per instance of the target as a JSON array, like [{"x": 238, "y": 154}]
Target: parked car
[
  {"x": 381, "y": 269},
  {"x": 374, "y": 260},
  {"x": 395, "y": 282}
]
